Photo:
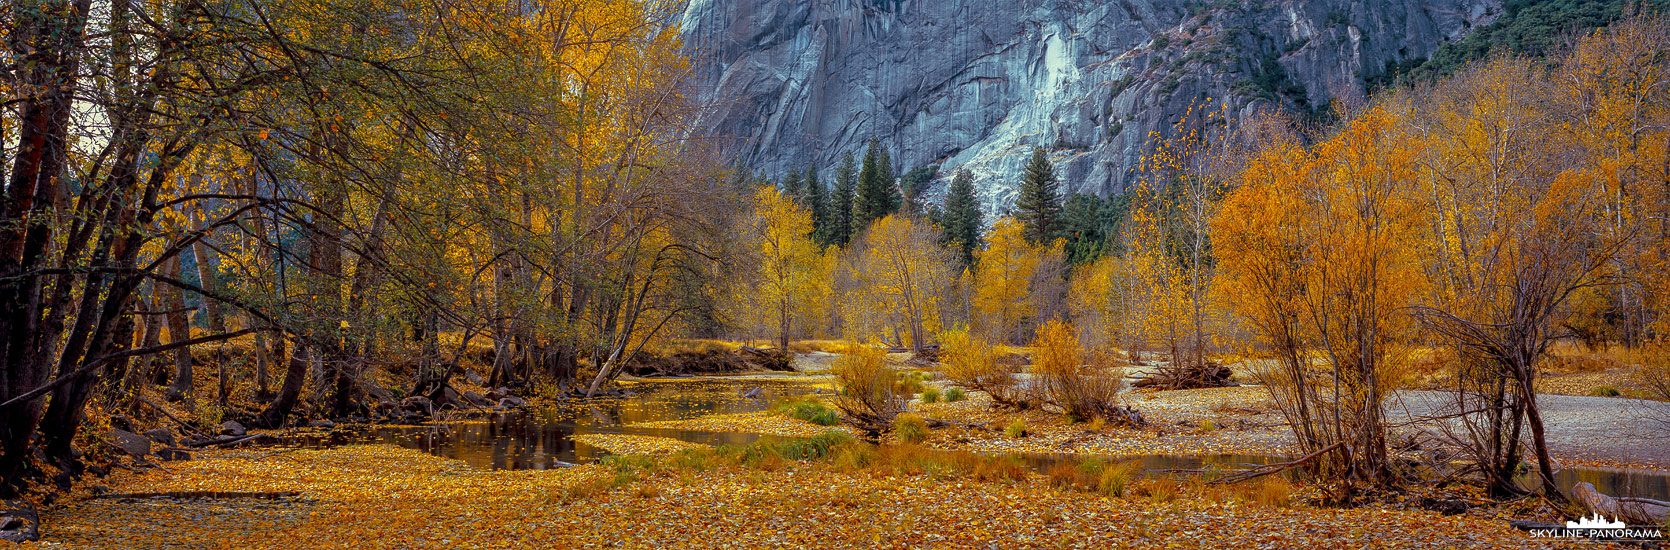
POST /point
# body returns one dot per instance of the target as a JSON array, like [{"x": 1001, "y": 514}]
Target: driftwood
[
  {"x": 1631, "y": 510},
  {"x": 940, "y": 423},
  {"x": 1186, "y": 377},
  {"x": 1268, "y": 469},
  {"x": 231, "y": 440}
]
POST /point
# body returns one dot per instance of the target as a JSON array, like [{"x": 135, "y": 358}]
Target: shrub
[
  {"x": 867, "y": 397},
  {"x": 1605, "y": 391},
  {"x": 910, "y": 428},
  {"x": 1208, "y": 426},
  {"x": 1114, "y": 478},
  {"x": 953, "y": 394},
  {"x": 930, "y": 394},
  {"x": 971, "y": 363},
  {"x": 1654, "y": 372},
  {"x": 1016, "y": 429},
  {"x": 1083, "y": 390}
]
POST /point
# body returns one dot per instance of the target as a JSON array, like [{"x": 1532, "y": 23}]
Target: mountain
[{"x": 976, "y": 84}]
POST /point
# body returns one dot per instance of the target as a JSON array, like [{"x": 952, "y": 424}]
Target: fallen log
[
  {"x": 230, "y": 440},
  {"x": 1631, "y": 510}
]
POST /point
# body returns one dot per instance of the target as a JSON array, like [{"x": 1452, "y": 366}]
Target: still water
[{"x": 540, "y": 439}]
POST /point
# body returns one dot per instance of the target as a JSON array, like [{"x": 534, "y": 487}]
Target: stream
[{"x": 541, "y": 439}]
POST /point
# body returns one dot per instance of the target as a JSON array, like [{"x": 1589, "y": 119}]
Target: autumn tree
[
  {"x": 1003, "y": 279},
  {"x": 786, "y": 260},
  {"x": 904, "y": 272}
]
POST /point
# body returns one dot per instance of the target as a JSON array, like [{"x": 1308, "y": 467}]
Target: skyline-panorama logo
[{"x": 1599, "y": 529}]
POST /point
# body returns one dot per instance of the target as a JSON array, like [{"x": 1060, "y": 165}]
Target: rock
[
  {"x": 450, "y": 396},
  {"x": 18, "y": 521},
  {"x": 418, "y": 403},
  {"x": 511, "y": 402},
  {"x": 130, "y": 443},
  {"x": 173, "y": 454},
  {"x": 751, "y": 393},
  {"x": 476, "y": 399},
  {"x": 806, "y": 82},
  {"x": 560, "y": 464},
  {"x": 321, "y": 424},
  {"x": 97, "y": 470},
  {"x": 474, "y": 378},
  {"x": 162, "y": 436},
  {"x": 232, "y": 427}
]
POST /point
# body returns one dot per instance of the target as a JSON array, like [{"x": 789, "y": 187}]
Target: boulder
[
  {"x": 418, "y": 403},
  {"x": 18, "y": 521},
  {"x": 321, "y": 424},
  {"x": 130, "y": 443},
  {"x": 232, "y": 427},
  {"x": 476, "y": 399},
  {"x": 162, "y": 436},
  {"x": 474, "y": 378},
  {"x": 173, "y": 454},
  {"x": 512, "y": 402}
]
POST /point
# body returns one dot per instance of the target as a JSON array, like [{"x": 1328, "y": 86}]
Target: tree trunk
[
  {"x": 179, "y": 330},
  {"x": 295, "y": 375}
]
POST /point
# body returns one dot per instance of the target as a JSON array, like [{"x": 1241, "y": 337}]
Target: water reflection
[{"x": 542, "y": 439}]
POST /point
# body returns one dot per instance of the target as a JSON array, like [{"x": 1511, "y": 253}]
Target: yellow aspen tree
[
  {"x": 787, "y": 258},
  {"x": 1003, "y": 279}
]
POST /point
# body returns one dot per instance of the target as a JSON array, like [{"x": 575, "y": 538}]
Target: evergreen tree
[
  {"x": 877, "y": 195},
  {"x": 914, "y": 183},
  {"x": 791, "y": 185},
  {"x": 841, "y": 211},
  {"x": 1039, "y": 205},
  {"x": 814, "y": 202},
  {"x": 961, "y": 218}
]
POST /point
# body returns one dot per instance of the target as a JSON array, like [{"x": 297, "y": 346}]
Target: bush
[
  {"x": 1654, "y": 372},
  {"x": 910, "y": 428},
  {"x": 954, "y": 394},
  {"x": 1605, "y": 391},
  {"x": 1083, "y": 390},
  {"x": 867, "y": 397},
  {"x": 930, "y": 394},
  {"x": 971, "y": 363},
  {"x": 1208, "y": 426},
  {"x": 1016, "y": 429}
]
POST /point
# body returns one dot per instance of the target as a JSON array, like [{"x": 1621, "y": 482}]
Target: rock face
[{"x": 976, "y": 84}]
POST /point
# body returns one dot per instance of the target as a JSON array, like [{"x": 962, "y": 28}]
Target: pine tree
[
  {"x": 1039, "y": 205},
  {"x": 791, "y": 185},
  {"x": 841, "y": 215},
  {"x": 877, "y": 194},
  {"x": 814, "y": 202},
  {"x": 961, "y": 219}
]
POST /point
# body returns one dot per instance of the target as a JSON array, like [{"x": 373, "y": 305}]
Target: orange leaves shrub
[
  {"x": 1083, "y": 390},
  {"x": 867, "y": 396},
  {"x": 970, "y": 362}
]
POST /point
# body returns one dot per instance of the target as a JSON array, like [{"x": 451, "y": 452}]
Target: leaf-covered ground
[{"x": 387, "y": 497}]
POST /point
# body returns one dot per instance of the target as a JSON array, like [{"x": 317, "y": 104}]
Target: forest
[{"x": 248, "y": 250}]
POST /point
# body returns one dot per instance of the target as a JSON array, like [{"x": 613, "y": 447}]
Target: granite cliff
[{"x": 976, "y": 84}]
